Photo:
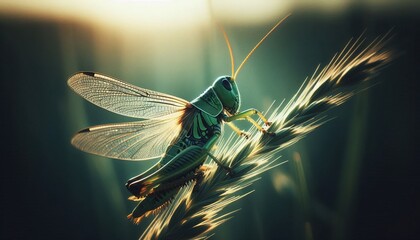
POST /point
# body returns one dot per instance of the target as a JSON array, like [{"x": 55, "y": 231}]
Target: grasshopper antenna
[
  {"x": 232, "y": 59},
  {"x": 256, "y": 46}
]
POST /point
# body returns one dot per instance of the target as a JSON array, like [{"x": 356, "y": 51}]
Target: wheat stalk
[{"x": 197, "y": 209}]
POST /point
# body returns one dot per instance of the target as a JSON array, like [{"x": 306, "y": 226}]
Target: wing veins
[{"x": 124, "y": 98}]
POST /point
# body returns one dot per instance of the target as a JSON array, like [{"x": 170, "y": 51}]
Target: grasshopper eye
[{"x": 227, "y": 85}]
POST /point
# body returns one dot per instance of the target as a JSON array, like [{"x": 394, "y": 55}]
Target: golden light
[
  {"x": 280, "y": 181},
  {"x": 134, "y": 15},
  {"x": 166, "y": 15}
]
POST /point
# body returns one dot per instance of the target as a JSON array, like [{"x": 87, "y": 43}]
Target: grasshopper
[{"x": 180, "y": 132}]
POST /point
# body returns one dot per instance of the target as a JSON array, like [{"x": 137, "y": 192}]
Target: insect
[{"x": 180, "y": 132}]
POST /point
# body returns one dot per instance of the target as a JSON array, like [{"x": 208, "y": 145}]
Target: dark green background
[{"x": 361, "y": 168}]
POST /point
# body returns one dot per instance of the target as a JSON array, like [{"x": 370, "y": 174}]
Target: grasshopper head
[{"x": 228, "y": 93}]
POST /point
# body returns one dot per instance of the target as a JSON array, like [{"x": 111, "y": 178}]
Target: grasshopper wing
[
  {"x": 124, "y": 98},
  {"x": 140, "y": 140}
]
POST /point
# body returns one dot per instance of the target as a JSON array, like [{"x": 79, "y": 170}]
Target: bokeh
[{"x": 354, "y": 178}]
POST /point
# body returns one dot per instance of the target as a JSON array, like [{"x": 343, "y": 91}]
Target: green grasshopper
[{"x": 182, "y": 133}]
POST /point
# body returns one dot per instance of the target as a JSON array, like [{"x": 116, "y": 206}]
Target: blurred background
[{"x": 354, "y": 178}]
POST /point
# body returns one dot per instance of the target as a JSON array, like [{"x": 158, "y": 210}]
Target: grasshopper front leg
[{"x": 247, "y": 115}]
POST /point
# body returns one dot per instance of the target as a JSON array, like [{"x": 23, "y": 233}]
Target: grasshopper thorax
[
  {"x": 228, "y": 93},
  {"x": 222, "y": 95}
]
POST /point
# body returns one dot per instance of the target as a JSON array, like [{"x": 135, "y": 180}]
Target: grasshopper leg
[{"x": 247, "y": 115}]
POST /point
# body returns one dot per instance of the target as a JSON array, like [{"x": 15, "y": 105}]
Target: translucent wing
[
  {"x": 124, "y": 98},
  {"x": 130, "y": 141}
]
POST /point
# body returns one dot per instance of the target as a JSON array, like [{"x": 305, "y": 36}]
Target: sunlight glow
[
  {"x": 135, "y": 15},
  {"x": 166, "y": 15},
  {"x": 281, "y": 181}
]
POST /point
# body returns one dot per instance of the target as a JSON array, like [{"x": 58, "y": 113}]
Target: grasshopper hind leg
[
  {"x": 161, "y": 187},
  {"x": 164, "y": 194},
  {"x": 177, "y": 168},
  {"x": 172, "y": 151},
  {"x": 149, "y": 171},
  {"x": 152, "y": 205}
]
